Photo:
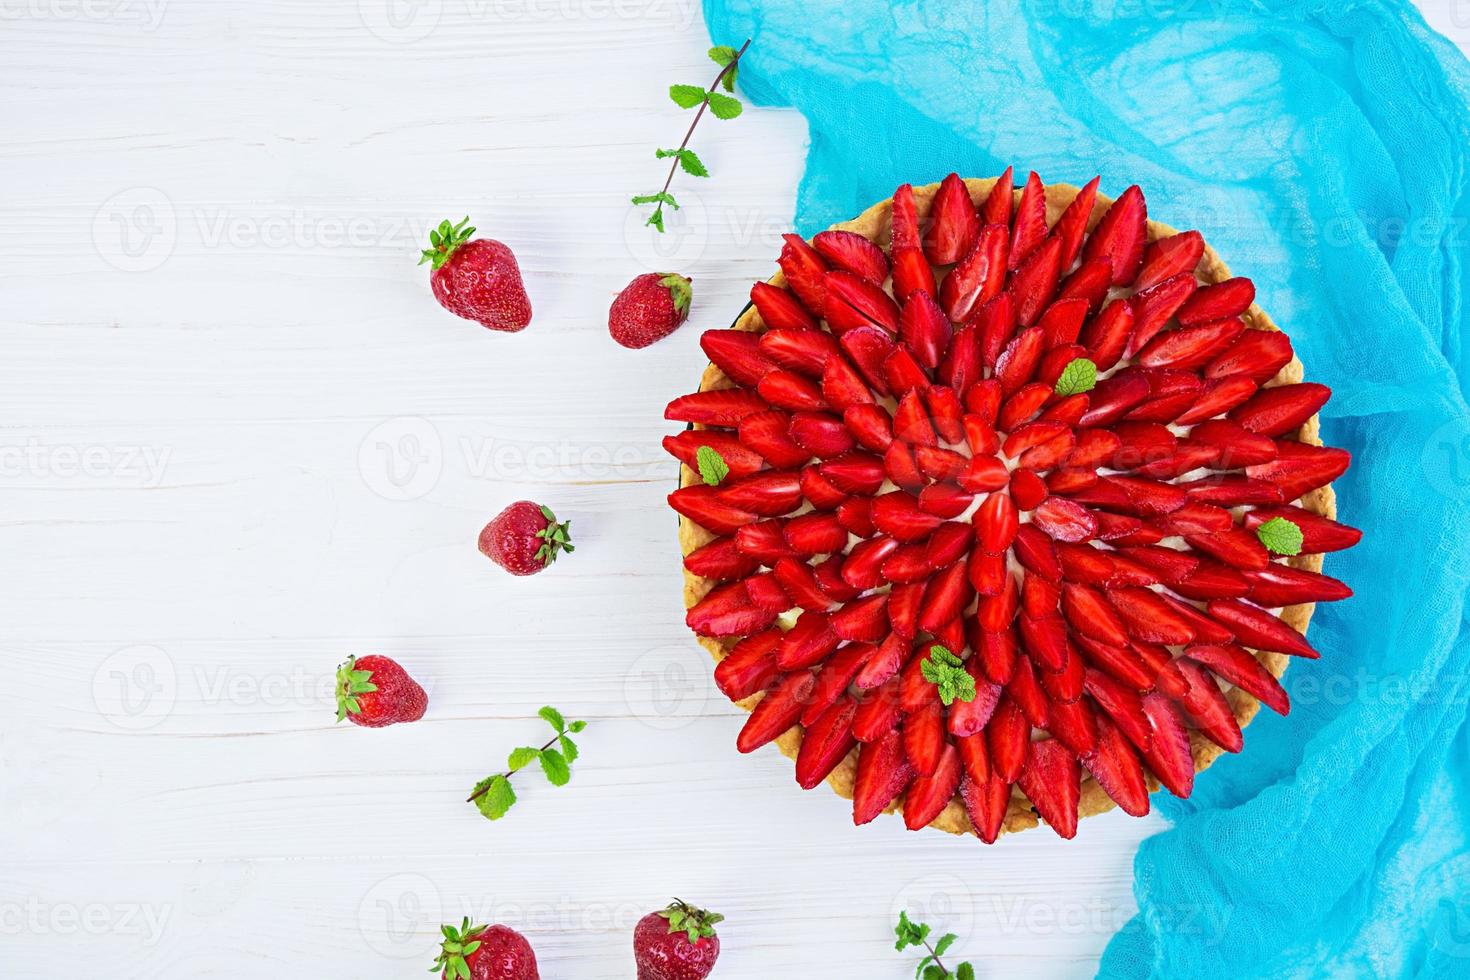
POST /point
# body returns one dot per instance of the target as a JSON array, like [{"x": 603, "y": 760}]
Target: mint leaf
[
  {"x": 965, "y": 972},
  {"x": 688, "y": 159},
  {"x": 568, "y": 748},
  {"x": 497, "y": 798},
  {"x": 576, "y": 726},
  {"x": 1280, "y": 536},
  {"x": 554, "y": 764},
  {"x": 657, "y": 218},
  {"x": 722, "y": 55},
  {"x": 945, "y": 942},
  {"x": 724, "y": 106},
  {"x": 521, "y": 758},
  {"x": 712, "y": 466},
  {"x": 553, "y": 718},
  {"x": 686, "y": 96},
  {"x": 1078, "y": 376}
]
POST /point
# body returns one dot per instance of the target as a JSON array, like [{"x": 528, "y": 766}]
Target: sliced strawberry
[
  {"x": 702, "y": 505},
  {"x": 804, "y": 269},
  {"x": 790, "y": 391},
  {"x": 878, "y": 714},
  {"x": 1236, "y": 547},
  {"x": 1153, "y": 307},
  {"x": 1257, "y": 354},
  {"x": 854, "y": 473},
  {"x": 1169, "y": 257},
  {"x": 1065, "y": 684},
  {"x": 948, "y": 594},
  {"x": 923, "y": 735},
  {"x": 798, "y": 349},
  {"x": 1205, "y": 705},
  {"x": 1114, "y": 397},
  {"x": 1089, "y": 284},
  {"x": 1219, "y": 396},
  {"x": 1235, "y": 665},
  {"x": 1084, "y": 563},
  {"x": 821, "y": 434},
  {"x": 737, "y": 353},
  {"x": 1300, "y": 468},
  {"x": 1232, "y": 490},
  {"x": 1115, "y": 766},
  {"x": 978, "y": 276},
  {"x": 883, "y": 772},
  {"x": 1148, "y": 617},
  {"x": 1071, "y": 227},
  {"x": 778, "y": 308},
  {"x": 1064, "y": 520},
  {"x": 1189, "y": 348},
  {"x": 834, "y": 677},
  {"x": 998, "y": 203},
  {"x": 1168, "y": 754},
  {"x": 825, "y": 743},
  {"x": 970, "y": 717},
  {"x": 1260, "y": 630},
  {"x": 948, "y": 544},
  {"x": 1023, "y": 405},
  {"x": 749, "y": 667},
  {"x": 1030, "y": 224},
  {"x": 1018, "y": 362},
  {"x": 930, "y": 794},
  {"x": 911, "y": 273},
  {"x": 1028, "y": 489},
  {"x": 907, "y": 565},
  {"x": 1218, "y": 301},
  {"x": 1212, "y": 580},
  {"x": 986, "y": 804},
  {"x": 869, "y": 348},
  {"x": 720, "y": 560},
  {"x": 1052, "y": 781},
  {"x": 776, "y": 712},
  {"x": 1025, "y": 690},
  {"x": 1319, "y": 534},
  {"x": 1074, "y": 724},
  {"x": 721, "y": 406},
  {"x": 1007, "y": 736},
  {"x": 764, "y": 541},
  {"x": 940, "y": 464},
  {"x": 953, "y": 223},
  {"x": 1090, "y": 614},
  {"x": 945, "y": 500},
  {"x": 995, "y": 653},
  {"x": 961, "y": 365},
  {"x": 862, "y": 569},
  {"x": 1034, "y": 283},
  {"x": 924, "y": 329},
  {"x": 871, "y": 425},
  {"x": 987, "y": 573},
  {"x": 1045, "y": 639},
  {"x": 807, "y": 643},
  {"x": 1280, "y": 410},
  {"x": 995, "y": 613},
  {"x": 901, "y": 467},
  {"x": 769, "y": 493},
  {"x": 994, "y": 326},
  {"x": 685, "y": 447},
  {"x": 1120, "y": 702},
  {"x": 819, "y": 491},
  {"x": 854, "y": 302},
  {"x": 800, "y": 582},
  {"x": 905, "y": 218},
  {"x": 1121, "y": 236},
  {"x": 1061, "y": 324},
  {"x": 853, "y": 253},
  {"x": 897, "y": 513},
  {"x": 1236, "y": 446},
  {"x": 842, "y": 386}
]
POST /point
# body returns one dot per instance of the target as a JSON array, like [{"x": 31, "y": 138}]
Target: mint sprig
[
  {"x": 458, "y": 944},
  {"x": 1280, "y": 536},
  {"x": 911, "y": 933},
  {"x": 493, "y": 796},
  {"x": 947, "y": 673},
  {"x": 720, "y": 105}
]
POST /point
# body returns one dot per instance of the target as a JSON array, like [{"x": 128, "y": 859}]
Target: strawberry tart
[{"x": 1002, "y": 504}]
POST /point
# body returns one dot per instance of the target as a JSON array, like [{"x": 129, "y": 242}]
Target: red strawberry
[
  {"x": 676, "y": 943},
  {"x": 883, "y": 772},
  {"x": 737, "y": 353},
  {"x": 825, "y": 743},
  {"x": 477, "y": 278},
  {"x": 929, "y": 795},
  {"x": 953, "y": 223},
  {"x": 1168, "y": 257},
  {"x": 1052, "y": 781},
  {"x": 750, "y": 666},
  {"x": 374, "y": 692},
  {"x": 851, "y": 251},
  {"x": 485, "y": 953},
  {"x": 649, "y": 308},
  {"x": 525, "y": 538},
  {"x": 1072, "y": 225},
  {"x": 1121, "y": 236},
  {"x": 1218, "y": 301}
]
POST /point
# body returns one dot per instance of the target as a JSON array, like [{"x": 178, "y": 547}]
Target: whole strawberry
[
  {"x": 677, "y": 943},
  {"x": 525, "y": 538},
  {"x": 649, "y": 308},
  {"x": 375, "y": 692},
  {"x": 485, "y": 953},
  {"x": 477, "y": 278}
]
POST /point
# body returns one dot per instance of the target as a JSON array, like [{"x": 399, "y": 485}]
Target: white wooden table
[{"x": 239, "y": 441}]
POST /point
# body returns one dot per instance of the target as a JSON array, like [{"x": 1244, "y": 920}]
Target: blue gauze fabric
[{"x": 1321, "y": 148}]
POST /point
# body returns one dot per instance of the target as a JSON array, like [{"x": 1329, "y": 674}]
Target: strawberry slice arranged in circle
[{"x": 1002, "y": 505}]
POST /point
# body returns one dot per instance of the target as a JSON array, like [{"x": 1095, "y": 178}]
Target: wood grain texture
[{"x": 239, "y": 441}]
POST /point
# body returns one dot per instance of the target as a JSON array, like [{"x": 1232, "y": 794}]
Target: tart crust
[{"x": 875, "y": 224}]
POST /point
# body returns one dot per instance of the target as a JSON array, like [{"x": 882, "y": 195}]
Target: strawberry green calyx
[
  {"x": 350, "y": 683},
  {"x": 695, "y": 923},
  {"x": 555, "y": 538},
  {"x": 444, "y": 240},
  {"x": 681, "y": 290},
  {"x": 457, "y": 944}
]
